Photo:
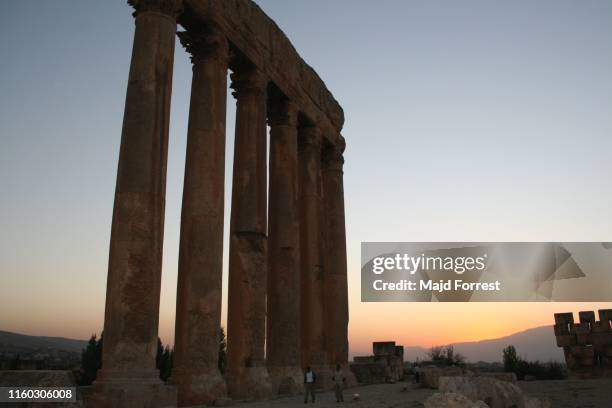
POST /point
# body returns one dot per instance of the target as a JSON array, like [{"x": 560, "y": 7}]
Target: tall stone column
[
  {"x": 312, "y": 301},
  {"x": 198, "y": 304},
  {"x": 247, "y": 376},
  {"x": 128, "y": 376},
  {"x": 283, "y": 323},
  {"x": 335, "y": 282}
]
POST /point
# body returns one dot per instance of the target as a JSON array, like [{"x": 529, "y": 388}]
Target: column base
[
  {"x": 141, "y": 389},
  {"x": 251, "y": 383},
  {"x": 198, "y": 388},
  {"x": 286, "y": 380}
]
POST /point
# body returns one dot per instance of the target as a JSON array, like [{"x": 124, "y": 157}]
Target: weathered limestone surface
[
  {"x": 262, "y": 41},
  {"x": 134, "y": 272},
  {"x": 587, "y": 345},
  {"x": 369, "y": 372},
  {"x": 283, "y": 323},
  {"x": 198, "y": 308},
  {"x": 247, "y": 376},
  {"x": 314, "y": 348},
  {"x": 496, "y": 394},
  {"x": 385, "y": 365},
  {"x": 335, "y": 282},
  {"x": 429, "y": 377}
]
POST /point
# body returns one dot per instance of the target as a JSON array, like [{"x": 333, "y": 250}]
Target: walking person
[
  {"x": 339, "y": 383},
  {"x": 310, "y": 378}
]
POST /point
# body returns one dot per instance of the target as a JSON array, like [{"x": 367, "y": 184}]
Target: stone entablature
[
  {"x": 587, "y": 345},
  {"x": 264, "y": 44}
]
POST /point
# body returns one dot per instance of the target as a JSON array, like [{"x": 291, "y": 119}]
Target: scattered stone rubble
[{"x": 471, "y": 391}]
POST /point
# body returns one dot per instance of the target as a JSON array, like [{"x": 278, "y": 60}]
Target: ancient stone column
[
  {"x": 335, "y": 281},
  {"x": 128, "y": 376},
  {"x": 312, "y": 302},
  {"x": 247, "y": 376},
  {"x": 283, "y": 323},
  {"x": 198, "y": 303}
]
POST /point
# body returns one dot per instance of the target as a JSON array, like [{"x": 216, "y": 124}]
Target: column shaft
[
  {"x": 198, "y": 306},
  {"x": 283, "y": 323},
  {"x": 134, "y": 270},
  {"x": 135, "y": 258},
  {"x": 336, "y": 289},
  {"x": 312, "y": 301},
  {"x": 247, "y": 376}
]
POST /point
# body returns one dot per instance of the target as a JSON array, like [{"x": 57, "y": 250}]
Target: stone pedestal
[
  {"x": 111, "y": 391},
  {"x": 131, "y": 318},
  {"x": 283, "y": 323},
  {"x": 198, "y": 307},
  {"x": 247, "y": 376},
  {"x": 314, "y": 352}
]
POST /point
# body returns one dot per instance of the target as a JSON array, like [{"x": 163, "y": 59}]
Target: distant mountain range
[
  {"x": 15, "y": 343},
  {"x": 532, "y": 344}
]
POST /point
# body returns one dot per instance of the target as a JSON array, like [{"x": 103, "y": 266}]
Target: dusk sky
[{"x": 476, "y": 120}]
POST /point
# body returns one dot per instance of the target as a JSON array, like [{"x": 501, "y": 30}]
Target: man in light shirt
[
  {"x": 339, "y": 382},
  {"x": 310, "y": 378}
]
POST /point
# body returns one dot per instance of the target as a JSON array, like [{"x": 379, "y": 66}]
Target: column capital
[
  {"x": 171, "y": 8},
  {"x": 248, "y": 82},
  {"x": 333, "y": 156},
  {"x": 282, "y": 112},
  {"x": 205, "y": 45},
  {"x": 310, "y": 138}
]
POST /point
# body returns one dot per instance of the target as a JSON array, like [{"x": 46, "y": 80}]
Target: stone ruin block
[
  {"x": 430, "y": 376},
  {"x": 566, "y": 340},
  {"x": 582, "y": 333},
  {"x": 366, "y": 359},
  {"x": 387, "y": 358},
  {"x": 383, "y": 348},
  {"x": 601, "y": 335},
  {"x": 564, "y": 329},
  {"x": 563, "y": 322},
  {"x": 587, "y": 317},
  {"x": 605, "y": 315},
  {"x": 587, "y": 345},
  {"x": 369, "y": 373}
]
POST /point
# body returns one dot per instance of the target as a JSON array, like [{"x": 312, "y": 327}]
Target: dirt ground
[
  {"x": 572, "y": 393},
  {"x": 562, "y": 394},
  {"x": 371, "y": 396}
]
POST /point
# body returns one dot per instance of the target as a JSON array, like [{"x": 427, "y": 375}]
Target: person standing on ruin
[
  {"x": 339, "y": 383},
  {"x": 310, "y": 378}
]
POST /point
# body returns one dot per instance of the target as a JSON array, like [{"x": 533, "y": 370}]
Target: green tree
[
  {"x": 164, "y": 360},
  {"x": 511, "y": 359},
  {"x": 446, "y": 356},
  {"x": 222, "y": 351},
  {"x": 91, "y": 360}
]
